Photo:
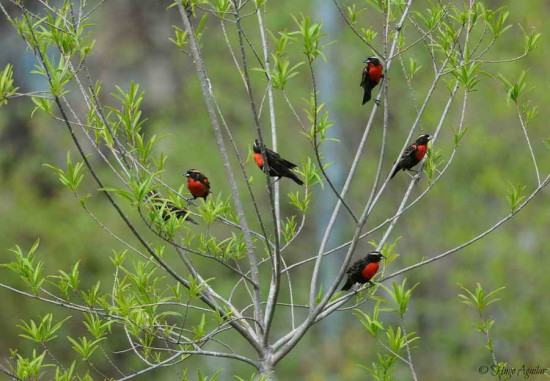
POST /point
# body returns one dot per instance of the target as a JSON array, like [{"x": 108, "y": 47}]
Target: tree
[{"x": 169, "y": 314}]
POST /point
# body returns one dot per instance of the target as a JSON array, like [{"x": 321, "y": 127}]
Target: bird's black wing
[
  {"x": 364, "y": 77},
  {"x": 354, "y": 274},
  {"x": 288, "y": 164},
  {"x": 357, "y": 266},
  {"x": 275, "y": 160},
  {"x": 409, "y": 151},
  {"x": 406, "y": 161},
  {"x": 271, "y": 154},
  {"x": 206, "y": 182}
]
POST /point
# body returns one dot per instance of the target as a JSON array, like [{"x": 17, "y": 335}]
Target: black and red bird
[
  {"x": 371, "y": 76},
  {"x": 197, "y": 183},
  {"x": 278, "y": 167},
  {"x": 363, "y": 270},
  {"x": 413, "y": 154}
]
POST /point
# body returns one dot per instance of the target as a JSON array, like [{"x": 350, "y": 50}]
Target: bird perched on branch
[
  {"x": 168, "y": 207},
  {"x": 197, "y": 183},
  {"x": 363, "y": 270},
  {"x": 413, "y": 154},
  {"x": 371, "y": 76},
  {"x": 278, "y": 167}
]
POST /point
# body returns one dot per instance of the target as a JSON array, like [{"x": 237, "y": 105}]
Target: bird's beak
[
  {"x": 366, "y": 61},
  {"x": 186, "y": 174},
  {"x": 429, "y": 138}
]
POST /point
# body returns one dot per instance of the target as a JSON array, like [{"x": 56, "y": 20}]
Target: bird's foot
[
  {"x": 377, "y": 102},
  {"x": 412, "y": 174},
  {"x": 415, "y": 174}
]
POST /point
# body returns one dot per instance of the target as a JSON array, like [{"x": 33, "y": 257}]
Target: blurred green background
[{"x": 132, "y": 44}]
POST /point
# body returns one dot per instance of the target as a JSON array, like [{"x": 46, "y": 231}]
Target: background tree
[{"x": 244, "y": 283}]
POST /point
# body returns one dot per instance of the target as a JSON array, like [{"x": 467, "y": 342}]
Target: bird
[
  {"x": 363, "y": 270},
  {"x": 168, "y": 207},
  {"x": 197, "y": 183},
  {"x": 413, "y": 154},
  {"x": 371, "y": 76},
  {"x": 278, "y": 167}
]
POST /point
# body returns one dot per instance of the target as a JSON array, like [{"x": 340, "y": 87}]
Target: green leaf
[
  {"x": 29, "y": 368},
  {"x": 311, "y": 36},
  {"x": 514, "y": 90},
  {"x": 400, "y": 295},
  {"x": 7, "y": 89},
  {"x": 288, "y": 229},
  {"x": 531, "y": 41},
  {"x": 97, "y": 326},
  {"x": 433, "y": 162},
  {"x": 74, "y": 174},
  {"x": 413, "y": 67},
  {"x": 30, "y": 271},
  {"x": 479, "y": 299},
  {"x": 515, "y": 196},
  {"x": 181, "y": 37},
  {"x": 353, "y": 14},
  {"x": 84, "y": 347},
  {"x": 213, "y": 208},
  {"x": 44, "y": 331},
  {"x": 65, "y": 374},
  {"x": 42, "y": 104},
  {"x": 372, "y": 324},
  {"x": 301, "y": 203},
  {"x": 458, "y": 134}
]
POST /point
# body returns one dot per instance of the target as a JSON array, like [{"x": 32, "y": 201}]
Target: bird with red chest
[
  {"x": 363, "y": 270},
  {"x": 278, "y": 167},
  {"x": 372, "y": 73},
  {"x": 197, "y": 183},
  {"x": 413, "y": 154}
]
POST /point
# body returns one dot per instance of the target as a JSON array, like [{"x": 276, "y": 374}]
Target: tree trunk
[{"x": 267, "y": 370}]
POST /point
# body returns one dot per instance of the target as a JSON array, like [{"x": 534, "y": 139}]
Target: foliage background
[{"x": 132, "y": 44}]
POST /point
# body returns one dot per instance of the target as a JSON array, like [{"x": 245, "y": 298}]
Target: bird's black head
[
  {"x": 373, "y": 60},
  {"x": 423, "y": 139},
  {"x": 194, "y": 174},
  {"x": 374, "y": 256},
  {"x": 257, "y": 146}
]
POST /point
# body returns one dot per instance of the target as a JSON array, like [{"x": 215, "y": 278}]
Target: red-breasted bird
[
  {"x": 371, "y": 76},
  {"x": 168, "y": 207},
  {"x": 413, "y": 154},
  {"x": 363, "y": 270},
  {"x": 197, "y": 183},
  {"x": 278, "y": 167}
]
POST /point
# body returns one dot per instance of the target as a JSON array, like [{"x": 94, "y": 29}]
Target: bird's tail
[
  {"x": 178, "y": 212},
  {"x": 366, "y": 96},
  {"x": 397, "y": 169},
  {"x": 169, "y": 207},
  {"x": 347, "y": 286},
  {"x": 296, "y": 179}
]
